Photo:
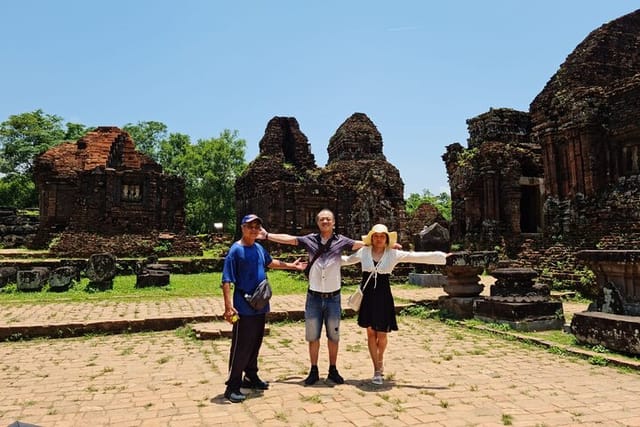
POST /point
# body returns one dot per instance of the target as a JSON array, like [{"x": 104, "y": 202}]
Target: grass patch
[{"x": 181, "y": 285}]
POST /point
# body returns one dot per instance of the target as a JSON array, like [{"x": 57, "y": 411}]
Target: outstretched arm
[
  {"x": 295, "y": 265},
  {"x": 433, "y": 257},
  {"x": 285, "y": 239}
]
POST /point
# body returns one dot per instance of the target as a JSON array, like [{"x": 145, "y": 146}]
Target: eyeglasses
[{"x": 253, "y": 226}]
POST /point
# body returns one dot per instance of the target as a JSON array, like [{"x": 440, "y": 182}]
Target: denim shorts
[{"x": 319, "y": 311}]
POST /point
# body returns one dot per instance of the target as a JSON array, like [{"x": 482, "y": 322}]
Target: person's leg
[
  {"x": 313, "y": 327},
  {"x": 238, "y": 357},
  {"x": 252, "y": 380},
  {"x": 372, "y": 343},
  {"x": 314, "y": 352},
  {"x": 382, "y": 346},
  {"x": 333, "y": 312}
]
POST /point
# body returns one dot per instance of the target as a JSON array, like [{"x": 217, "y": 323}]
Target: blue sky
[{"x": 418, "y": 68}]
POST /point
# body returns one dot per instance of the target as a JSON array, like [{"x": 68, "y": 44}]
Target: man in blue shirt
[{"x": 244, "y": 266}]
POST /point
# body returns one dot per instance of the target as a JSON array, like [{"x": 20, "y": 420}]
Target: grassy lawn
[{"x": 181, "y": 285}]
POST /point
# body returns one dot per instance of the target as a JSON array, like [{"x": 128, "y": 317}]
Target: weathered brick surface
[
  {"x": 563, "y": 176},
  {"x": 101, "y": 184},
  {"x": 284, "y": 186}
]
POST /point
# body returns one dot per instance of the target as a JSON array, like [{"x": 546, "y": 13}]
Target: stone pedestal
[
  {"x": 463, "y": 285},
  {"x": 521, "y": 316},
  {"x": 458, "y": 307},
  {"x": 519, "y": 302}
]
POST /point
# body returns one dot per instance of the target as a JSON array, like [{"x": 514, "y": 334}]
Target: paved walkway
[{"x": 436, "y": 374}]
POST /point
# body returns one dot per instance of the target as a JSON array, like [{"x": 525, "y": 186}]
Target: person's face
[
  {"x": 325, "y": 221},
  {"x": 379, "y": 240},
  {"x": 251, "y": 228}
]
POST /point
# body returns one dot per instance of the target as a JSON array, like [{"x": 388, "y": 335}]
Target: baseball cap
[{"x": 250, "y": 218}]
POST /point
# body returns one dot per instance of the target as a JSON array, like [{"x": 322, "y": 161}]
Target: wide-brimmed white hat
[{"x": 381, "y": 228}]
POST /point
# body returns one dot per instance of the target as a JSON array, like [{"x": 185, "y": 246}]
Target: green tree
[
  {"x": 442, "y": 202},
  {"x": 209, "y": 168},
  {"x": 172, "y": 152},
  {"x": 18, "y": 191},
  {"x": 148, "y": 136},
  {"x": 24, "y": 136},
  {"x": 75, "y": 131}
]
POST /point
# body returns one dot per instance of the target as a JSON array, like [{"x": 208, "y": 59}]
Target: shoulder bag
[
  {"x": 355, "y": 299},
  {"x": 262, "y": 294}
]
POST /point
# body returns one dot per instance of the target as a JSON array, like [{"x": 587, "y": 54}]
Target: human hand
[
  {"x": 396, "y": 245},
  {"x": 230, "y": 315},
  {"x": 300, "y": 265},
  {"x": 262, "y": 234}
]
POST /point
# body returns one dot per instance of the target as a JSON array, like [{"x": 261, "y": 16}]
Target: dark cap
[{"x": 250, "y": 218}]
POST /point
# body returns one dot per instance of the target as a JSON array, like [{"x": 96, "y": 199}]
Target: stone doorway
[{"x": 530, "y": 205}]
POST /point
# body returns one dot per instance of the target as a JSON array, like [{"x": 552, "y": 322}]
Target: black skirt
[{"x": 377, "y": 309}]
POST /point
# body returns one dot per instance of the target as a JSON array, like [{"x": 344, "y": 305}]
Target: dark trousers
[{"x": 246, "y": 340}]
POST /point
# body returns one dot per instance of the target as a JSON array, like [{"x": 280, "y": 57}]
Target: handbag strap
[
  {"x": 367, "y": 281},
  {"x": 323, "y": 248}
]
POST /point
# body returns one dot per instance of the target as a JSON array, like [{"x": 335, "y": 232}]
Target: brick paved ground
[{"x": 438, "y": 374}]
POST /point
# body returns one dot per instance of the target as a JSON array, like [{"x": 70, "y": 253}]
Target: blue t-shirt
[{"x": 244, "y": 266}]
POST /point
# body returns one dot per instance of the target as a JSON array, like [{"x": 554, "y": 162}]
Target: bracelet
[{"x": 267, "y": 236}]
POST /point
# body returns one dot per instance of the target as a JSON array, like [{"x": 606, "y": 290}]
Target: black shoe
[
  {"x": 255, "y": 383},
  {"x": 335, "y": 376},
  {"x": 313, "y": 376},
  {"x": 234, "y": 396}
]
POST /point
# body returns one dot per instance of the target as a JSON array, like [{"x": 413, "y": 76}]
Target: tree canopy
[
  {"x": 442, "y": 202},
  {"x": 209, "y": 167},
  {"x": 24, "y": 136}
]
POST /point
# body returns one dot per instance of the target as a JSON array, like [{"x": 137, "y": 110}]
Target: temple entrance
[{"x": 530, "y": 206}]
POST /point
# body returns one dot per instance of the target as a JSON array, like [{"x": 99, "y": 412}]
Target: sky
[{"x": 417, "y": 68}]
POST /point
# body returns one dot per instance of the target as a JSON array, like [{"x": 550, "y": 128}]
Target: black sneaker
[
  {"x": 335, "y": 376},
  {"x": 255, "y": 383},
  {"x": 313, "y": 376},
  {"x": 234, "y": 396}
]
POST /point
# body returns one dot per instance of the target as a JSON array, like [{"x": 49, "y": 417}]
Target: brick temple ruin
[
  {"x": 286, "y": 188},
  {"x": 100, "y": 184},
  {"x": 566, "y": 174}
]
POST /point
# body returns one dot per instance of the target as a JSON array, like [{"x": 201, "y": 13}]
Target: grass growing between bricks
[{"x": 553, "y": 341}]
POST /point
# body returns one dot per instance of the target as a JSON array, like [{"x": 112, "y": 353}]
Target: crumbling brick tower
[
  {"x": 285, "y": 187},
  {"x": 496, "y": 183},
  {"x": 587, "y": 120},
  {"x": 101, "y": 184}
]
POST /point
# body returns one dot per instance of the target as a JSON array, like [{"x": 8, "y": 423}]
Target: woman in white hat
[{"x": 377, "y": 311}]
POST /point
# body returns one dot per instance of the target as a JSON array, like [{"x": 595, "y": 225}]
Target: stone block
[
  {"x": 33, "y": 279},
  {"x": 614, "y": 331},
  {"x": 101, "y": 267},
  {"x": 521, "y": 316},
  {"x": 427, "y": 280},
  {"x": 7, "y": 275},
  {"x": 62, "y": 278},
  {"x": 152, "y": 278}
]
